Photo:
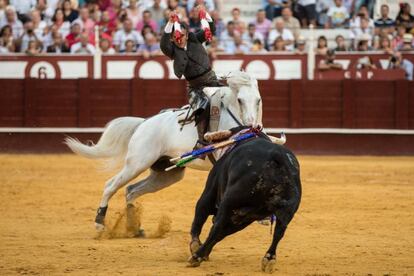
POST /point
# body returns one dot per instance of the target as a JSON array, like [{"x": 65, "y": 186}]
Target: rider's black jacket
[{"x": 191, "y": 62}]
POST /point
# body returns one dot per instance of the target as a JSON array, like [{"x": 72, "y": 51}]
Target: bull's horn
[{"x": 279, "y": 141}]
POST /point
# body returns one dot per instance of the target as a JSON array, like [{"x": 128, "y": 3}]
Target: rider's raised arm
[
  {"x": 166, "y": 44},
  {"x": 200, "y": 34}
]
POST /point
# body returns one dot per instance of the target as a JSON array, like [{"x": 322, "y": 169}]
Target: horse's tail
[{"x": 112, "y": 145}]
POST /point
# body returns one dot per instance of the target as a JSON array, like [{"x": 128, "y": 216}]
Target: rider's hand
[{"x": 173, "y": 15}]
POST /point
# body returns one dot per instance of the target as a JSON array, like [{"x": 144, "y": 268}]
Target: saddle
[{"x": 211, "y": 114}]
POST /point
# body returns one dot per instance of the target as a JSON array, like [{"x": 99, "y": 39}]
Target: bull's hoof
[
  {"x": 268, "y": 263},
  {"x": 194, "y": 246},
  {"x": 194, "y": 261},
  {"x": 99, "y": 227}
]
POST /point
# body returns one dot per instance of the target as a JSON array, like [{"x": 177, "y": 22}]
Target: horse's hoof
[
  {"x": 140, "y": 233},
  {"x": 194, "y": 246},
  {"x": 268, "y": 264},
  {"x": 99, "y": 227},
  {"x": 194, "y": 261}
]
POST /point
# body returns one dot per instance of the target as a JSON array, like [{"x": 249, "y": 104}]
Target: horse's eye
[{"x": 240, "y": 101}]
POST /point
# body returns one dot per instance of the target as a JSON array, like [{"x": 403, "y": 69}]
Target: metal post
[
  {"x": 97, "y": 58},
  {"x": 311, "y": 52}
]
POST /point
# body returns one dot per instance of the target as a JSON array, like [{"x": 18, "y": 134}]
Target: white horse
[{"x": 145, "y": 143}]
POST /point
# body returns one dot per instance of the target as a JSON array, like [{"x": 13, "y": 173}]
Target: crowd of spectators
[{"x": 132, "y": 26}]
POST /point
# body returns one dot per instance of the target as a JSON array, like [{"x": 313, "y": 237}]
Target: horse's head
[{"x": 246, "y": 92}]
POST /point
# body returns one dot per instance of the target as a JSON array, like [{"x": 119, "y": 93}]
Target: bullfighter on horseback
[{"x": 192, "y": 61}]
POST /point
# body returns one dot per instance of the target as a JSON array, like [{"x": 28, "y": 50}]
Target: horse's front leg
[
  {"x": 127, "y": 173},
  {"x": 157, "y": 180}
]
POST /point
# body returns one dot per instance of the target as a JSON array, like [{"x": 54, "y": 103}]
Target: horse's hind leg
[{"x": 157, "y": 180}]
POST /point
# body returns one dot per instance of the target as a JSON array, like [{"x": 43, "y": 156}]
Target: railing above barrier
[{"x": 269, "y": 66}]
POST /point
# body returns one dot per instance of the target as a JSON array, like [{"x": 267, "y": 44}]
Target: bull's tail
[{"x": 112, "y": 145}]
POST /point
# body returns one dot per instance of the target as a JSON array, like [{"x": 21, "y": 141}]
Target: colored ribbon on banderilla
[{"x": 191, "y": 155}]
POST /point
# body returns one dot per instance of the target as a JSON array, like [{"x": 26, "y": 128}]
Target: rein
[{"x": 232, "y": 116}]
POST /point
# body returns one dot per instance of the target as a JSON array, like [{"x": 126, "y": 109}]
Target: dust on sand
[{"x": 356, "y": 218}]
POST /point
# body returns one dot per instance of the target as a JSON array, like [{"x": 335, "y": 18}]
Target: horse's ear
[{"x": 233, "y": 85}]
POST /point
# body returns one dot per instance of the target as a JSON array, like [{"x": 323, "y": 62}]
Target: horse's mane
[{"x": 239, "y": 78}]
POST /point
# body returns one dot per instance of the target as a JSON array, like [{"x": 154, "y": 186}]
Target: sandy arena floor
[{"x": 356, "y": 218}]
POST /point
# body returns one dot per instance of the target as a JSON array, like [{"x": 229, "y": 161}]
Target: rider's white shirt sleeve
[
  {"x": 208, "y": 17},
  {"x": 168, "y": 28}
]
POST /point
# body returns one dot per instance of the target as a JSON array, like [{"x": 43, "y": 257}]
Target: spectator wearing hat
[
  {"x": 281, "y": 31},
  {"x": 337, "y": 15},
  {"x": 328, "y": 63},
  {"x": 384, "y": 22},
  {"x": 263, "y": 24},
  {"x": 397, "y": 61},
  {"x": 407, "y": 43},
  {"x": 301, "y": 46},
  {"x": 291, "y": 22},
  {"x": 251, "y": 35}
]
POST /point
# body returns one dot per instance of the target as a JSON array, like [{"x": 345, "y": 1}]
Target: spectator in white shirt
[
  {"x": 105, "y": 46},
  {"x": 23, "y": 8},
  {"x": 362, "y": 13},
  {"x": 126, "y": 33},
  {"x": 291, "y": 22},
  {"x": 227, "y": 37},
  {"x": 337, "y": 15},
  {"x": 83, "y": 47},
  {"x": 38, "y": 24},
  {"x": 3, "y": 5},
  {"x": 251, "y": 35},
  {"x": 281, "y": 31},
  {"x": 363, "y": 29},
  {"x": 11, "y": 20},
  {"x": 28, "y": 35}
]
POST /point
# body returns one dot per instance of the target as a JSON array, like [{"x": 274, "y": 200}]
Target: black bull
[{"x": 255, "y": 180}]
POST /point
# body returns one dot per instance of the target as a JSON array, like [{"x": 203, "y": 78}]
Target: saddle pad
[{"x": 215, "y": 107}]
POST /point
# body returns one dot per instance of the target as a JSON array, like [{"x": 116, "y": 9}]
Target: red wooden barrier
[{"x": 287, "y": 104}]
